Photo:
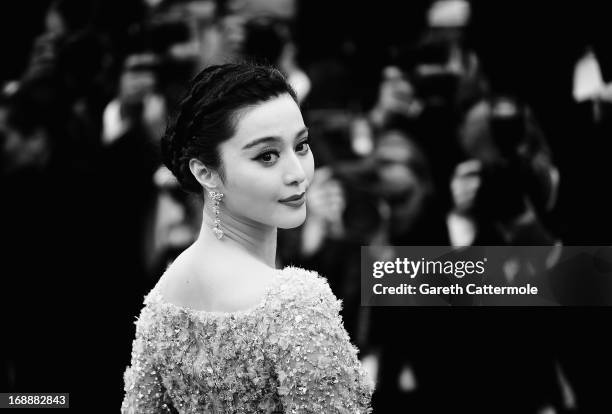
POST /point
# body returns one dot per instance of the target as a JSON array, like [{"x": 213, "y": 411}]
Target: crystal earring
[{"x": 216, "y": 197}]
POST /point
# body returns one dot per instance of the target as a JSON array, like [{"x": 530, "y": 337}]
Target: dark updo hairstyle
[{"x": 207, "y": 115}]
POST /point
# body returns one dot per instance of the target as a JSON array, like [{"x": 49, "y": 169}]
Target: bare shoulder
[
  {"x": 180, "y": 283},
  {"x": 213, "y": 284}
]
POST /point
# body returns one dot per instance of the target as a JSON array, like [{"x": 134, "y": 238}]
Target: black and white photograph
[{"x": 306, "y": 206}]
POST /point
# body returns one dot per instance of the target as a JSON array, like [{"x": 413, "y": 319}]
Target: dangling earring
[{"x": 216, "y": 197}]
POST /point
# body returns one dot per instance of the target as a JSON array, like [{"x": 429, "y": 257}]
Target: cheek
[{"x": 250, "y": 185}]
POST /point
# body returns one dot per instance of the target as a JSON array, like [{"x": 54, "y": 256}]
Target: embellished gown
[{"x": 288, "y": 354}]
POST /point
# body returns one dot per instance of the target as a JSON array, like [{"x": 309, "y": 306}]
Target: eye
[
  {"x": 303, "y": 146},
  {"x": 268, "y": 157}
]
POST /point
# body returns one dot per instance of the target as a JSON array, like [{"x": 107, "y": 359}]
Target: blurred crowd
[{"x": 450, "y": 122}]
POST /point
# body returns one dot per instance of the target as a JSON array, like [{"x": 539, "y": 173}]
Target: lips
[
  {"x": 294, "y": 197},
  {"x": 294, "y": 201}
]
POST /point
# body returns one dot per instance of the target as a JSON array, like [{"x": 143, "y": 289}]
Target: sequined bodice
[{"x": 290, "y": 353}]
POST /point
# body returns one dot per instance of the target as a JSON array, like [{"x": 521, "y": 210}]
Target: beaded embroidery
[{"x": 289, "y": 354}]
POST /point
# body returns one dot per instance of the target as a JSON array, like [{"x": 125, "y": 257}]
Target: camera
[
  {"x": 434, "y": 67},
  {"x": 504, "y": 178}
]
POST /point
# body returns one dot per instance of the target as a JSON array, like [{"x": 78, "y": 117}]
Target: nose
[{"x": 294, "y": 172}]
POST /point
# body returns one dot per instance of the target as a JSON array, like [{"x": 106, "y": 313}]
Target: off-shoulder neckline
[{"x": 155, "y": 297}]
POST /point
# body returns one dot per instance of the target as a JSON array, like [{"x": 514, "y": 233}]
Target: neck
[{"x": 257, "y": 239}]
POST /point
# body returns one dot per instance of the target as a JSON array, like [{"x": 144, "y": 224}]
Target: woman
[{"x": 224, "y": 330}]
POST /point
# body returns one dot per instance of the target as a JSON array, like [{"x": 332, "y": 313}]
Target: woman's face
[{"x": 268, "y": 160}]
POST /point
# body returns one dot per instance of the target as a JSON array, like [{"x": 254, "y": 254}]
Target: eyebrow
[{"x": 270, "y": 139}]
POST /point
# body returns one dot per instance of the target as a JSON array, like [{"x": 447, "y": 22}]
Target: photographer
[
  {"x": 507, "y": 184},
  {"x": 46, "y": 210},
  {"x": 138, "y": 104},
  {"x": 425, "y": 91}
]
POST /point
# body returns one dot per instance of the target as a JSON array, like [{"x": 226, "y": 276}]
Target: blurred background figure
[
  {"x": 171, "y": 225},
  {"x": 508, "y": 181},
  {"x": 448, "y": 122},
  {"x": 47, "y": 200}
]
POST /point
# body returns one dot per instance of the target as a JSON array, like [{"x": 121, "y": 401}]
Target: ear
[{"x": 208, "y": 178}]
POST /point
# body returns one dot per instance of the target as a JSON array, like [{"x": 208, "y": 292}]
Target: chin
[{"x": 291, "y": 220}]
